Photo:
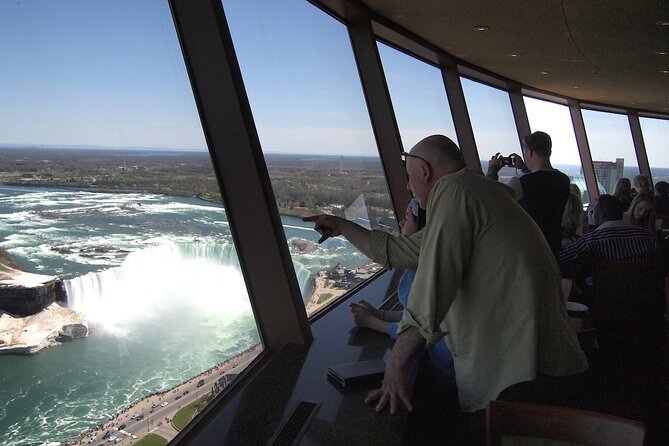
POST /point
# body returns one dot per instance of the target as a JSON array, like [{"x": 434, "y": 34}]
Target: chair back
[
  {"x": 583, "y": 427},
  {"x": 623, "y": 296}
]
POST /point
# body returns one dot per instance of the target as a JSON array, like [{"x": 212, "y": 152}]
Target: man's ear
[{"x": 426, "y": 172}]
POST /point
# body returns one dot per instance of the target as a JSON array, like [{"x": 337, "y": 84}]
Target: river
[{"x": 159, "y": 281}]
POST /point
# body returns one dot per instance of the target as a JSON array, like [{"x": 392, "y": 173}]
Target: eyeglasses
[{"x": 405, "y": 155}]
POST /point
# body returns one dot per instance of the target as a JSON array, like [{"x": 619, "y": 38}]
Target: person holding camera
[{"x": 541, "y": 190}]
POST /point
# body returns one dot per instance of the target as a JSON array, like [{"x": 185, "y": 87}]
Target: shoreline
[
  {"x": 140, "y": 428},
  {"x": 217, "y": 202}
]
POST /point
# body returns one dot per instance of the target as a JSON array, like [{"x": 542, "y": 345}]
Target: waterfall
[
  {"x": 150, "y": 282},
  {"x": 304, "y": 280},
  {"x": 163, "y": 283}
]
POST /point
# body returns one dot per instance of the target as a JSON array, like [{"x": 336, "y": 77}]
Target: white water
[
  {"x": 159, "y": 281},
  {"x": 205, "y": 277}
]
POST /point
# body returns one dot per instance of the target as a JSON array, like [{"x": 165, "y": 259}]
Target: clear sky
[
  {"x": 110, "y": 73},
  {"x": 90, "y": 72}
]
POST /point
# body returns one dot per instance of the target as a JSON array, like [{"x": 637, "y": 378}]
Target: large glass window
[
  {"x": 110, "y": 214},
  {"x": 492, "y": 121},
  {"x": 555, "y": 120},
  {"x": 418, "y": 95},
  {"x": 611, "y": 147},
  {"x": 309, "y": 109},
  {"x": 656, "y": 139}
]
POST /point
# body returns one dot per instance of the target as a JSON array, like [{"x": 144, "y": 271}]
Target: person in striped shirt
[{"x": 613, "y": 239}]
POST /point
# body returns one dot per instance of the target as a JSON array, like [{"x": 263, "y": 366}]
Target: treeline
[{"x": 302, "y": 184}]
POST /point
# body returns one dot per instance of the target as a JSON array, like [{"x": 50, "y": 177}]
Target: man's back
[
  {"x": 613, "y": 240},
  {"x": 544, "y": 195}
]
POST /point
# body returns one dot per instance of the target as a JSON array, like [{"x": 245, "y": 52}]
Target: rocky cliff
[
  {"x": 31, "y": 334},
  {"x": 30, "y": 317},
  {"x": 25, "y": 293}
]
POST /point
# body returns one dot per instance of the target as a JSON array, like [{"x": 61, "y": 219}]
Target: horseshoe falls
[{"x": 160, "y": 284}]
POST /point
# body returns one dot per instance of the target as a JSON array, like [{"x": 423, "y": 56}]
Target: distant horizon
[
  {"x": 171, "y": 149},
  {"x": 204, "y": 150}
]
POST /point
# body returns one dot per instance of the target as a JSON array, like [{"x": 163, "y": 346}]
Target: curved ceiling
[{"x": 611, "y": 52}]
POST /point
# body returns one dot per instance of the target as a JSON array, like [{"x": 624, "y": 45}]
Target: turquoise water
[{"x": 159, "y": 281}]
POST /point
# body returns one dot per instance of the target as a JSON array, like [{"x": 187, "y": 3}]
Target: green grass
[
  {"x": 324, "y": 297},
  {"x": 186, "y": 413},
  {"x": 152, "y": 440}
]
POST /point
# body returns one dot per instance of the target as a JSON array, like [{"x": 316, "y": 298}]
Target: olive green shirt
[{"x": 486, "y": 280}]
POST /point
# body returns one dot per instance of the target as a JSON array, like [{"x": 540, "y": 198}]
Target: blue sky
[
  {"x": 94, "y": 73},
  {"x": 110, "y": 73}
]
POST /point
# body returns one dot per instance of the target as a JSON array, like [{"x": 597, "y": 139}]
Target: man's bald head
[
  {"x": 440, "y": 156},
  {"x": 440, "y": 151}
]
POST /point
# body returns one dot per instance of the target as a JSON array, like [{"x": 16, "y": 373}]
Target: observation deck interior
[
  {"x": 601, "y": 59},
  {"x": 595, "y": 75}
]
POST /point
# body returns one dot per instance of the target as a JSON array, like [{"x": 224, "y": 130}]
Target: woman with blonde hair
[
  {"x": 641, "y": 212},
  {"x": 572, "y": 219}
]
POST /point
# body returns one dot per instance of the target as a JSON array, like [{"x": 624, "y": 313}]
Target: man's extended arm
[{"x": 330, "y": 226}]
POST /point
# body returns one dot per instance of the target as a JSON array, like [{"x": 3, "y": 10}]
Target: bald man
[{"x": 485, "y": 279}]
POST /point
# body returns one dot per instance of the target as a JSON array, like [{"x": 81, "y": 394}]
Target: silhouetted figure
[
  {"x": 641, "y": 184},
  {"x": 623, "y": 192},
  {"x": 542, "y": 191},
  {"x": 662, "y": 199}
]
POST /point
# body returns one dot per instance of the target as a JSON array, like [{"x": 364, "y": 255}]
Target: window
[
  {"x": 611, "y": 147},
  {"x": 106, "y": 183},
  {"x": 310, "y": 113},
  {"x": 656, "y": 139},
  {"x": 492, "y": 121},
  {"x": 555, "y": 120},
  {"x": 418, "y": 95}
]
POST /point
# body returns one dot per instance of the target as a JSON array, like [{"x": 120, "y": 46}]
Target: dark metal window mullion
[{"x": 241, "y": 172}]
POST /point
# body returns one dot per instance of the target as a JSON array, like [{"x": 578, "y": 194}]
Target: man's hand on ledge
[{"x": 393, "y": 388}]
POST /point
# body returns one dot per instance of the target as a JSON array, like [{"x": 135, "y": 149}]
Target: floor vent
[{"x": 293, "y": 429}]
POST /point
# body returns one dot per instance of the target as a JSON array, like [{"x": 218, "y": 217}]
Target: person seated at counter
[
  {"x": 366, "y": 315},
  {"x": 613, "y": 239},
  {"x": 485, "y": 276}
]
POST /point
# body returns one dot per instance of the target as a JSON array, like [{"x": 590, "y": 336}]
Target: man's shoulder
[
  {"x": 622, "y": 229},
  {"x": 546, "y": 175},
  {"x": 464, "y": 177},
  {"x": 547, "y": 180},
  {"x": 468, "y": 183}
]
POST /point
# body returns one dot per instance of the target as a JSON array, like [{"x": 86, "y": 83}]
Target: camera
[{"x": 507, "y": 161}]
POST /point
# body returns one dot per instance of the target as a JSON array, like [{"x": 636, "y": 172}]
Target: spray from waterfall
[{"x": 162, "y": 282}]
